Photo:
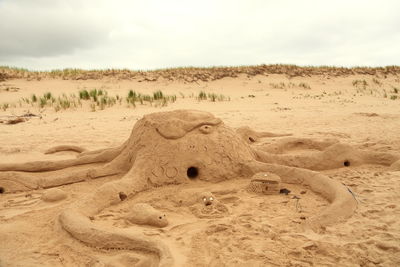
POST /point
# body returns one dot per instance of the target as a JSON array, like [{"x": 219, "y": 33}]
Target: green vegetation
[
  {"x": 212, "y": 97},
  {"x": 288, "y": 85},
  {"x": 377, "y": 82},
  {"x": 360, "y": 84},
  {"x": 96, "y": 99},
  {"x": 195, "y": 74},
  {"x": 395, "y": 93},
  {"x": 364, "y": 88},
  {"x": 5, "y": 106},
  {"x": 280, "y": 85},
  {"x": 305, "y": 85},
  {"x": 158, "y": 98},
  {"x": 202, "y": 96},
  {"x": 47, "y": 95},
  {"x": 158, "y": 95},
  {"x": 84, "y": 94}
]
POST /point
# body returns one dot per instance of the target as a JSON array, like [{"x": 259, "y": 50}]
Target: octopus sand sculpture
[{"x": 177, "y": 147}]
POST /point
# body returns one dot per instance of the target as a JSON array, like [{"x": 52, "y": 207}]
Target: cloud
[
  {"x": 156, "y": 34},
  {"x": 46, "y": 29}
]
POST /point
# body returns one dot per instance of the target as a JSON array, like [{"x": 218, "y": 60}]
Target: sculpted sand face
[
  {"x": 144, "y": 214},
  {"x": 176, "y": 147}
]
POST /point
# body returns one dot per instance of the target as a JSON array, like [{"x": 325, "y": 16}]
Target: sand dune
[{"x": 319, "y": 107}]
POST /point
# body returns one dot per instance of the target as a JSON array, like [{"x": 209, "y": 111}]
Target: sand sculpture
[
  {"x": 326, "y": 154},
  {"x": 53, "y": 195},
  {"x": 208, "y": 198},
  {"x": 265, "y": 183},
  {"x": 145, "y": 214},
  {"x": 251, "y": 136},
  {"x": 206, "y": 205},
  {"x": 182, "y": 146}
]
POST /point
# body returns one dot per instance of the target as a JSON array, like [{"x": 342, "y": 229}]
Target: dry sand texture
[{"x": 344, "y": 125}]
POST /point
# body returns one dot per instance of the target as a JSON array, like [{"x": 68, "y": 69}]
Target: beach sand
[{"x": 255, "y": 230}]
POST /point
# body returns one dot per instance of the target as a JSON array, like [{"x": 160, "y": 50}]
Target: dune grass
[
  {"x": 95, "y": 99},
  {"x": 158, "y": 98},
  {"x": 376, "y": 88},
  {"x": 213, "y": 97},
  {"x": 5, "y": 106},
  {"x": 289, "y": 85},
  {"x": 194, "y": 74},
  {"x": 99, "y": 99}
]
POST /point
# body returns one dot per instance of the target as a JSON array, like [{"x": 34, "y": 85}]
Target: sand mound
[
  {"x": 204, "y": 149},
  {"x": 194, "y": 169}
]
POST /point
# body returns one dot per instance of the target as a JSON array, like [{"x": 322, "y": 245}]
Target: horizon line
[{"x": 23, "y": 69}]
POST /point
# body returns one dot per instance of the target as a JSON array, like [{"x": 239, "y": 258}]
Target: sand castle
[
  {"x": 182, "y": 146},
  {"x": 265, "y": 183}
]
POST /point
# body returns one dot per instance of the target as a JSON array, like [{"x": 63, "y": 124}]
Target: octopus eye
[
  {"x": 204, "y": 199},
  {"x": 211, "y": 198},
  {"x": 206, "y": 129},
  {"x": 160, "y": 217}
]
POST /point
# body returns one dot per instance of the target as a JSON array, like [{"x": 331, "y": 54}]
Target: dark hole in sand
[
  {"x": 346, "y": 163},
  {"x": 284, "y": 191},
  {"x": 192, "y": 172},
  {"x": 122, "y": 196},
  {"x": 2, "y": 190}
]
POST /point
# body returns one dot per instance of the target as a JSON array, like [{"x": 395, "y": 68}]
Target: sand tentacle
[
  {"x": 61, "y": 148},
  {"x": 342, "y": 202},
  {"x": 76, "y": 219}
]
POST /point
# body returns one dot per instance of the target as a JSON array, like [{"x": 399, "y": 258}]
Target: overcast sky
[{"x": 148, "y": 34}]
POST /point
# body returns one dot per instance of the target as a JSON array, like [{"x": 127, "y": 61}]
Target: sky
[{"x": 153, "y": 34}]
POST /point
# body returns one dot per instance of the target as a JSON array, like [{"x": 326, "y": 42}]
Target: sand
[{"x": 252, "y": 229}]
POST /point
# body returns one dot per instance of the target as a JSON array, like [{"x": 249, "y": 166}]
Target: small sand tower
[{"x": 265, "y": 183}]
